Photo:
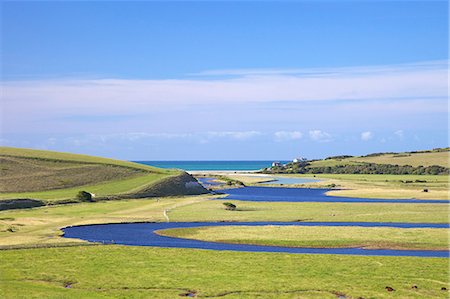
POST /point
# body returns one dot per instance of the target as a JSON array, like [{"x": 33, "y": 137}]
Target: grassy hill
[
  {"x": 431, "y": 162},
  {"x": 47, "y": 175},
  {"x": 438, "y": 157}
]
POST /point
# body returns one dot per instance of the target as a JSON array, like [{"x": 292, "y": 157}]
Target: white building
[{"x": 297, "y": 160}]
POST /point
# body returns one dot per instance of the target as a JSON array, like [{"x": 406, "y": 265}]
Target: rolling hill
[
  {"x": 55, "y": 177},
  {"x": 429, "y": 162}
]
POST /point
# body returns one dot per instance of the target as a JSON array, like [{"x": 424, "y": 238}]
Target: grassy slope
[
  {"x": 139, "y": 272},
  {"x": 19, "y": 174},
  {"x": 322, "y": 237},
  {"x": 32, "y": 153},
  {"x": 413, "y": 159},
  {"x": 127, "y": 185}
]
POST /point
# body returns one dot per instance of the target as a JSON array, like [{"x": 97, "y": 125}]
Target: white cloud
[
  {"x": 237, "y": 135},
  {"x": 287, "y": 135},
  {"x": 399, "y": 133},
  {"x": 365, "y": 136},
  {"x": 320, "y": 136},
  {"x": 427, "y": 65},
  {"x": 200, "y": 137},
  {"x": 70, "y": 107},
  {"x": 121, "y": 96}
]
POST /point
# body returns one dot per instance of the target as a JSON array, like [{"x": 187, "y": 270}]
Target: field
[
  {"x": 413, "y": 159},
  {"x": 213, "y": 210},
  {"x": 319, "y": 237},
  {"x": 370, "y": 185},
  {"x": 438, "y": 157},
  {"x": 38, "y": 263},
  {"x": 139, "y": 272},
  {"x": 41, "y": 226},
  {"x": 53, "y": 176}
]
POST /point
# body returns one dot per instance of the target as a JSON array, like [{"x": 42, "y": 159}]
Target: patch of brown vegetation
[{"x": 21, "y": 174}]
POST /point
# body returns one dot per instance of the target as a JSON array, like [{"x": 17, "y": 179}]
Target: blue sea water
[{"x": 211, "y": 165}]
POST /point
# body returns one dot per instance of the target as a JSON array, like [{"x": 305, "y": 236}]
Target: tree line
[{"x": 362, "y": 168}]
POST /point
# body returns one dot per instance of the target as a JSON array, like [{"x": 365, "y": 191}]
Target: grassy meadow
[
  {"x": 64, "y": 268},
  {"x": 38, "y": 263},
  {"x": 110, "y": 271},
  {"x": 320, "y": 236},
  {"x": 369, "y": 185},
  {"x": 213, "y": 210}
]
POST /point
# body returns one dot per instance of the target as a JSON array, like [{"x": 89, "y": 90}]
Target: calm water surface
[
  {"x": 284, "y": 194},
  {"x": 143, "y": 234}
]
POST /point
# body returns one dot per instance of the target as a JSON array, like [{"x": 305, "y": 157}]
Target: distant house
[
  {"x": 276, "y": 164},
  {"x": 298, "y": 160}
]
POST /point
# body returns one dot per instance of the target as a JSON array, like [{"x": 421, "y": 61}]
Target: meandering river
[{"x": 144, "y": 234}]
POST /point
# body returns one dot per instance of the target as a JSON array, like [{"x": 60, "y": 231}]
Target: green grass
[
  {"x": 140, "y": 272},
  {"x": 115, "y": 187},
  {"x": 213, "y": 210},
  {"x": 144, "y": 272},
  {"x": 102, "y": 271},
  {"x": 19, "y": 174},
  {"x": 383, "y": 185},
  {"x": 320, "y": 236},
  {"x": 413, "y": 159},
  {"x": 440, "y": 158},
  {"x": 41, "y": 226},
  {"x": 51, "y": 155},
  {"x": 31, "y": 173}
]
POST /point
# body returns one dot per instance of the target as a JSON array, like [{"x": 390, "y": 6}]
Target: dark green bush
[
  {"x": 84, "y": 196},
  {"x": 361, "y": 168},
  {"x": 229, "y": 206}
]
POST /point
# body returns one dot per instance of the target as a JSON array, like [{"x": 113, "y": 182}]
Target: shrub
[
  {"x": 229, "y": 206},
  {"x": 11, "y": 229},
  {"x": 84, "y": 196}
]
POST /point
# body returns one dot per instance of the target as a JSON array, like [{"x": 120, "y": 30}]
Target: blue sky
[{"x": 224, "y": 80}]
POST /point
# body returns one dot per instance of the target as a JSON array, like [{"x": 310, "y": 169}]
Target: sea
[{"x": 212, "y": 165}]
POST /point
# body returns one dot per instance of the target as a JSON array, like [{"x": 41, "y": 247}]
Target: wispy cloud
[
  {"x": 200, "y": 137},
  {"x": 120, "y": 96},
  {"x": 251, "y": 107},
  {"x": 315, "y": 72},
  {"x": 320, "y": 136},
  {"x": 239, "y": 135},
  {"x": 365, "y": 136},
  {"x": 399, "y": 133},
  {"x": 287, "y": 135}
]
